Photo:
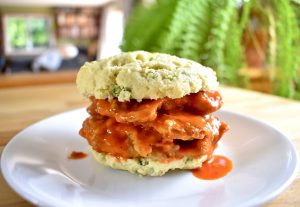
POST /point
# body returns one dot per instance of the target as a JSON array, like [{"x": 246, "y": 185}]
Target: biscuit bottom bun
[
  {"x": 150, "y": 112},
  {"x": 147, "y": 166}
]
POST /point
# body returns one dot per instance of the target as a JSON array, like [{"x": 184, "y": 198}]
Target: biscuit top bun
[{"x": 142, "y": 75}]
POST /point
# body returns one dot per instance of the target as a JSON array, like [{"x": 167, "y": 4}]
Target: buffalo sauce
[
  {"x": 106, "y": 135},
  {"x": 128, "y": 112},
  {"x": 76, "y": 155},
  {"x": 163, "y": 129},
  {"x": 169, "y": 138},
  {"x": 217, "y": 167},
  {"x": 200, "y": 103}
]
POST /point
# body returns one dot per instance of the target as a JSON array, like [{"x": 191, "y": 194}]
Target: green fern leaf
[
  {"x": 145, "y": 24},
  {"x": 233, "y": 54},
  {"x": 196, "y": 32},
  {"x": 169, "y": 41},
  {"x": 287, "y": 60},
  {"x": 214, "y": 47}
]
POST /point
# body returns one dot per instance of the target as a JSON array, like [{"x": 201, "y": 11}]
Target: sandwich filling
[{"x": 164, "y": 129}]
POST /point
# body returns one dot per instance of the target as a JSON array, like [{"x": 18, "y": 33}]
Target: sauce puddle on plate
[
  {"x": 75, "y": 155},
  {"x": 215, "y": 168}
]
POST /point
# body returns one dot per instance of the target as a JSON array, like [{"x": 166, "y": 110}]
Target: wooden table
[{"x": 22, "y": 106}]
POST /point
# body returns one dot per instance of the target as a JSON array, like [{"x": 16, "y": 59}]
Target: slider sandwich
[{"x": 150, "y": 112}]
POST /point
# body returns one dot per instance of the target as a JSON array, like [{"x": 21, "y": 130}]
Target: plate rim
[{"x": 34, "y": 200}]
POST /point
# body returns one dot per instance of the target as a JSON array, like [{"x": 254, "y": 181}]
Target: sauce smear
[
  {"x": 75, "y": 155},
  {"x": 216, "y": 168}
]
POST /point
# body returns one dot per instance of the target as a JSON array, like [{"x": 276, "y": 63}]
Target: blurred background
[{"x": 253, "y": 44}]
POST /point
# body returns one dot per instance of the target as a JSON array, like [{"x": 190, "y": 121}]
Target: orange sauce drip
[
  {"x": 216, "y": 168},
  {"x": 75, "y": 155}
]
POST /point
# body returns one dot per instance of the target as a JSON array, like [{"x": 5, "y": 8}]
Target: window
[{"x": 27, "y": 34}]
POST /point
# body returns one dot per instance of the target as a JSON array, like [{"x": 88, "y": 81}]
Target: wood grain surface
[
  {"x": 22, "y": 106},
  {"x": 34, "y": 79}
]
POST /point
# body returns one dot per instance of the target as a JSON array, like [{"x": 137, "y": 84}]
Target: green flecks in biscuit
[
  {"x": 118, "y": 91},
  {"x": 151, "y": 75}
]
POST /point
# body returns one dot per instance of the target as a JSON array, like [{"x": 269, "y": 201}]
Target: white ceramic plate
[{"x": 35, "y": 164}]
